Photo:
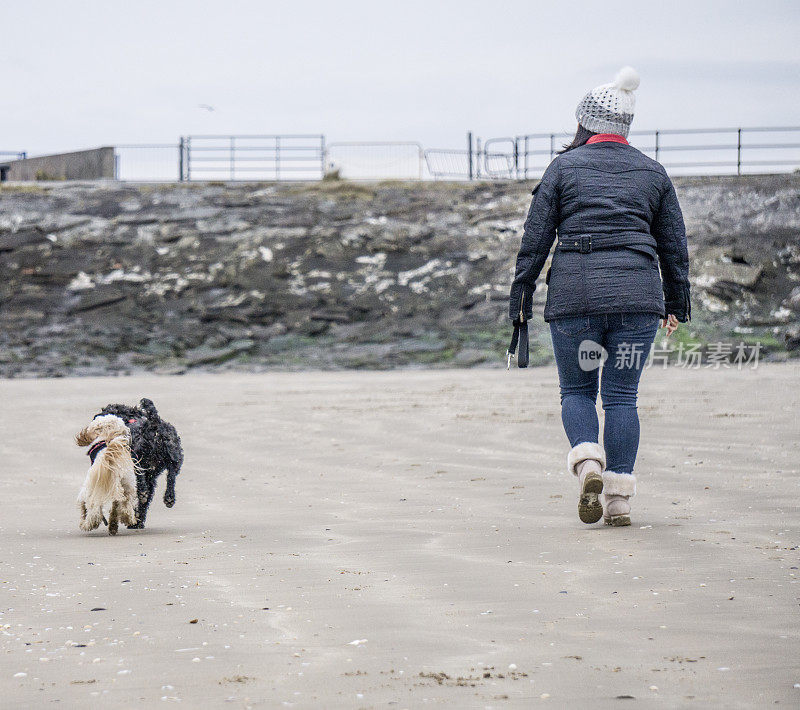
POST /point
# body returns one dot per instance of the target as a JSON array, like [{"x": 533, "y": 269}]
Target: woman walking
[{"x": 617, "y": 219}]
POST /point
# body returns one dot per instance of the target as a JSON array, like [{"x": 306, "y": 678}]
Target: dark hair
[{"x": 581, "y": 136}]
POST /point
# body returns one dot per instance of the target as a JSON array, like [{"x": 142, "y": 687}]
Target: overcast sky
[{"x": 82, "y": 73}]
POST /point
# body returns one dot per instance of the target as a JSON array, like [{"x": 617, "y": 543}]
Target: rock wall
[{"x": 120, "y": 278}]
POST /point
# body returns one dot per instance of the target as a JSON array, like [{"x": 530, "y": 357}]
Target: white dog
[{"x": 111, "y": 478}]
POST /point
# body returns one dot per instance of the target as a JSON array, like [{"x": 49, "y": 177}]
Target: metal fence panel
[
  {"x": 376, "y": 160},
  {"x": 499, "y": 159},
  {"x": 445, "y": 163},
  {"x": 154, "y": 162},
  {"x": 254, "y": 157}
]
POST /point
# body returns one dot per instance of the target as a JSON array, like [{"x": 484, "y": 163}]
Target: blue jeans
[{"x": 627, "y": 338}]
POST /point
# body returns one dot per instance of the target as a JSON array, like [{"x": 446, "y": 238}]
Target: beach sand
[{"x": 406, "y": 539}]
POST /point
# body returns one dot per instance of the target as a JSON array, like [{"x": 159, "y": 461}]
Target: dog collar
[{"x": 95, "y": 449}]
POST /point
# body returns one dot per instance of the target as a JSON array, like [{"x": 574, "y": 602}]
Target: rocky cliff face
[{"x": 119, "y": 278}]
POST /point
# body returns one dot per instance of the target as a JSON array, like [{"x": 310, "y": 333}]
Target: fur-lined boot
[
  {"x": 618, "y": 489},
  {"x": 587, "y": 461}
]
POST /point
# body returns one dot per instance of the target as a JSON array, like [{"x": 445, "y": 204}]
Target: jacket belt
[{"x": 585, "y": 243}]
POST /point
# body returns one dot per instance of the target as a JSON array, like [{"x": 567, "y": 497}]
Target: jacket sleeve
[
  {"x": 673, "y": 257},
  {"x": 537, "y": 238}
]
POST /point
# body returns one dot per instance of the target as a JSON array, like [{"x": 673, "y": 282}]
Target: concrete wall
[{"x": 80, "y": 165}]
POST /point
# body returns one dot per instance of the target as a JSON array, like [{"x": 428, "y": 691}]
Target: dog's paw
[
  {"x": 169, "y": 500},
  {"x": 136, "y": 526},
  {"x": 89, "y": 524}
]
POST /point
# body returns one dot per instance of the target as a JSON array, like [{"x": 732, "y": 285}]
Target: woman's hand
[{"x": 670, "y": 323}]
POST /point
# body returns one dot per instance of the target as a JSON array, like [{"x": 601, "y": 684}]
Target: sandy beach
[{"x": 406, "y": 540}]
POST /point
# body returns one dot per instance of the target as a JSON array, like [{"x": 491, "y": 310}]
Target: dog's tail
[{"x": 148, "y": 407}]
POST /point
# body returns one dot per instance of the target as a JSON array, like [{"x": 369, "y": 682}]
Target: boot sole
[
  {"x": 590, "y": 510},
  {"x": 618, "y": 521}
]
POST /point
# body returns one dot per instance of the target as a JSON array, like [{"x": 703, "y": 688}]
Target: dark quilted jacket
[{"x": 618, "y": 220}]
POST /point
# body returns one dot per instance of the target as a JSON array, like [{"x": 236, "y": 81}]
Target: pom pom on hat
[{"x": 627, "y": 79}]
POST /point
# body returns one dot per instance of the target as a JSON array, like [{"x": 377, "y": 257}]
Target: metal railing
[
  {"x": 448, "y": 163},
  {"x": 703, "y": 151},
  {"x": 252, "y": 157},
  {"x": 377, "y": 160},
  {"x": 151, "y": 162},
  {"x": 681, "y": 151}
]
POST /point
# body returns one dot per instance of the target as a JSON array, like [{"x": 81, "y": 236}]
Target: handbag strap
[{"x": 519, "y": 340}]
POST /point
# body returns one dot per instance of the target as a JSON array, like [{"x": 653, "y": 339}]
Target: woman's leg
[
  {"x": 628, "y": 341},
  {"x": 578, "y": 384},
  {"x": 577, "y": 351}
]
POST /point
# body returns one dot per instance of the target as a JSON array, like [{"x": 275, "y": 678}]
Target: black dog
[{"x": 155, "y": 446}]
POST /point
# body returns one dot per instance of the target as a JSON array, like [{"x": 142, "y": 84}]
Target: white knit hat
[{"x": 609, "y": 108}]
